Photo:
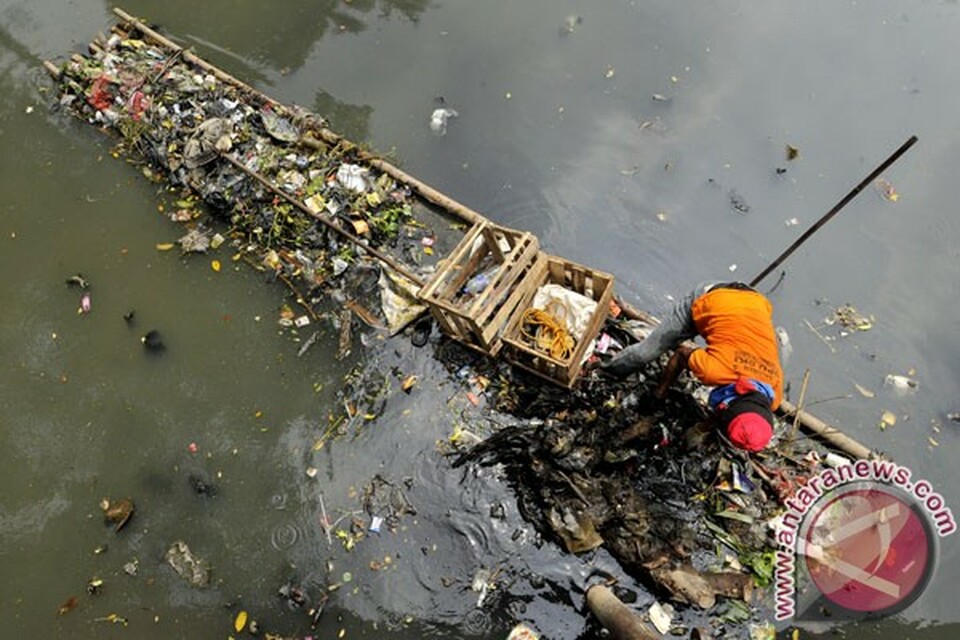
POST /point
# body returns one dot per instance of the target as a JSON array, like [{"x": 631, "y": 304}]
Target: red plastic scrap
[
  {"x": 100, "y": 98},
  {"x": 137, "y": 105}
]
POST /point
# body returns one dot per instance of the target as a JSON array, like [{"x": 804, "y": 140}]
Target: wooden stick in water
[{"x": 835, "y": 210}]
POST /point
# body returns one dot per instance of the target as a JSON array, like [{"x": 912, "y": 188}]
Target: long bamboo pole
[
  {"x": 829, "y": 434},
  {"x": 616, "y": 617},
  {"x": 327, "y": 136},
  {"x": 835, "y": 210}
]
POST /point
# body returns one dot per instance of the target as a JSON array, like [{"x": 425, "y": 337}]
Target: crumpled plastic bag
[
  {"x": 398, "y": 298},
  {"x": 579, "y": 307},
  {"x": 438, "y": 120},
  {"x": 352, "y": 177}
]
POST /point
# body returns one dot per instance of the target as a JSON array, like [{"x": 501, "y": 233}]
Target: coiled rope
[{"x": 549, "y": 333}]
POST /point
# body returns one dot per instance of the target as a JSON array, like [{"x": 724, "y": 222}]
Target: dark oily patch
[{"x": 605, "y": 464}]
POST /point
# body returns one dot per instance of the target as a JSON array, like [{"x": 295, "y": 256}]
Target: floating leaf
[
  {"x": 215, "y": 265},
  {"x": 866, "y": 393},
  {"x": 735, "y": 515},
  {"x": 792, "y": 152},
  {"x": 886, "y": 190},
  {"x": 887, "y": 419},
  {"x": 165, "y": 246},
  {"x": 240, "y": 622},
  {"x": 360, "y": 227},
  {"x": 68, "y": 606},
  {"x": 409, "y": 382}
]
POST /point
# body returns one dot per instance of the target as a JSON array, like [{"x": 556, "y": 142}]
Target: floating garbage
[
  {"x": 783, "y": 339},
  {"x": 78, "y": 281},
  {"x": 192, "y": 569},
  {"x": 117, "y": 512},
  {"x": 661, "y": 616},
  {"x": 352, "y": 177},
  {"x": 481, "y": 585},
  {"x": 439, "y": 118},
  {"x": 522, "y": 632},
  {"x": 901, "y": 383},
  {"x": 570, "y": 24},
  {"x": 848, "y": 317}
]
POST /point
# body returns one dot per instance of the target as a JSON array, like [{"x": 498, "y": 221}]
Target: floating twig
[
  {"x": 819, "y": 335},
  {"x": 325, "y": 522}
]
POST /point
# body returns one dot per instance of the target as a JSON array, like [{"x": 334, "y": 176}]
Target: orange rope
[{"x": 550, "y": 333}]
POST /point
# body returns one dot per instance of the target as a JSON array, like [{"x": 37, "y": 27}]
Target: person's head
[{"x": 748, "y": 422}]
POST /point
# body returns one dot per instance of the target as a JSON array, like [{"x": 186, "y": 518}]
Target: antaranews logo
[{"x": 859, "y": 541}]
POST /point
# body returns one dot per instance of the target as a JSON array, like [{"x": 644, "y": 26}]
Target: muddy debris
[
  {"x": 606, "y": 464},
  {"x": 195, "y": 571},
  {"x": 384, "y": 499}
]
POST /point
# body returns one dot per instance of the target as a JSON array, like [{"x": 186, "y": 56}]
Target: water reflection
[{"x": 277, "y": 35}]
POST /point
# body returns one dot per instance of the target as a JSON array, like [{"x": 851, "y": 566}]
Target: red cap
[{"x": 749, "y": 431}]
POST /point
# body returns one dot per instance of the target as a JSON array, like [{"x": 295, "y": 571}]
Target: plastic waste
[
  {"x": 481, "y": 281},
  {"x": 522, "y": 632},
  {"x": 783, "y": 338},
  {"x": 438, "y": 120},
  {"x": 398, "y": 299},
  {"x": 836, "y": 460},
  {"x": 901, "y": 383},
  {"x": 661, "y": 615},
  {"x": 352, "y": 177},
  {"x": 579, "y": 307}
]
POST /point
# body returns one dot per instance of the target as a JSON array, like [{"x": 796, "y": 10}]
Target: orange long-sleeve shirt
[{"x": 741, "y": 341}]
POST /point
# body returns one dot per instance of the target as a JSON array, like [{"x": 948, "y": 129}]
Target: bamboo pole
[
  {"x": 796, "y": 416},
  {"x": 616, "y": 617},
  {"x": 829, "y": 434},
  {"x": 835, "y": 210},
  {"x": 393, "y": 264},
  {"x": 327, "y": 136},
  {"x": 52, "y": 69}
]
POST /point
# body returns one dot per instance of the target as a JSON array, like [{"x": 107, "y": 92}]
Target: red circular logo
[{"x": 868, "y": 551}]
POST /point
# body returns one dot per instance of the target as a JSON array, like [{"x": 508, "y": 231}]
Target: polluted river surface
[{"x": 645, "y": 139}]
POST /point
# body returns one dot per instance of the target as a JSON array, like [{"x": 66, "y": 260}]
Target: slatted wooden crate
[
  {"x": 591, "y": 283},
  {"x": 507, "y": 257}
]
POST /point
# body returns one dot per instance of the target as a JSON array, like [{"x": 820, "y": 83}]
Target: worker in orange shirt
[{"x": 741, "y": 357}]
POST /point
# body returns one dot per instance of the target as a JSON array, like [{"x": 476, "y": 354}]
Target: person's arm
[{"x": 677, "y": 363}]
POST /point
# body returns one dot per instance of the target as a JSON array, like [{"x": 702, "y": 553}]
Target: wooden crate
[
  {"x": 594, "y": 284},
  {"x": 477, "y": 320}
]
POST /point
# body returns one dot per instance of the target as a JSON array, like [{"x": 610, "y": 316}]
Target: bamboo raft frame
[{"x": 327, "y": 138}]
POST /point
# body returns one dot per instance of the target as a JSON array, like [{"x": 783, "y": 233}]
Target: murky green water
[{"x": 558, "y": 134}]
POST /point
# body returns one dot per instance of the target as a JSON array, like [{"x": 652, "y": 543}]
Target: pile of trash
[
  {"x": 649, "y": 480},
  {"x": 302, "y": 210}
]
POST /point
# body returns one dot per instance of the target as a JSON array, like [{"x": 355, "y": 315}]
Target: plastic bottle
[{"x": 479, "y": 282}]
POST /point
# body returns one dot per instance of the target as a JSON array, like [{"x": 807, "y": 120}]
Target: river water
[{"x": 642, "y": 138}]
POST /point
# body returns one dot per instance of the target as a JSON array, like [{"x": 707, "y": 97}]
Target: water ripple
[{"x": 284, "y": 536}]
